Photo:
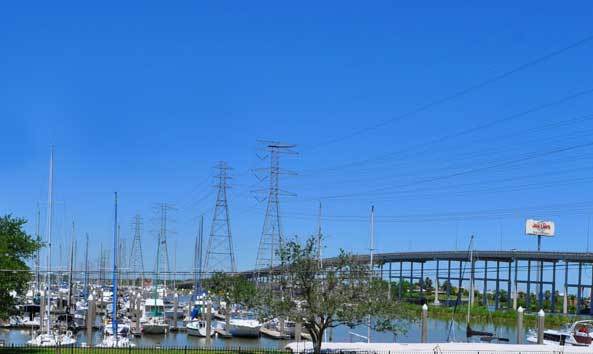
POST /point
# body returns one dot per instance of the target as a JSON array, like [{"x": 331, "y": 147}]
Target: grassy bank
[{"x": 481, "y": 314}]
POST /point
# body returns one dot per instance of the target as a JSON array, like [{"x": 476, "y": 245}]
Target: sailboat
[
  {"x": 116, "y": 339},
  {"x": 469, "y": 331},
  {"x": 153, "y": 314},
  {"x": 197, "y": 325},
  {"x": 50, "y": 338}
]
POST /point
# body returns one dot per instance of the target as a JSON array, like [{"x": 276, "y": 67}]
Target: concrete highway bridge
[{"x": 531, "y": 272}]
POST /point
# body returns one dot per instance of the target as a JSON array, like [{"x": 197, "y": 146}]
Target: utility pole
[
  {"x": 136, "y": 259},
  {"x": 272, "y": 238},
  {"x": 220, "y": 256}
]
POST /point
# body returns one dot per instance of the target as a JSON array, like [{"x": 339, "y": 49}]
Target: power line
[
  {"x": 528, "y": 157},
  {"x": 459, "y": 93}
]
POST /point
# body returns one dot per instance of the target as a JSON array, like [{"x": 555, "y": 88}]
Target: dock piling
[
  {"x": 209, "y": 321},
  {"x": 520, "y": 325},
  {"x": 90, "y": 320},
  {"x": 540, "y": 326},
  {"x": 424, "y": 337}
]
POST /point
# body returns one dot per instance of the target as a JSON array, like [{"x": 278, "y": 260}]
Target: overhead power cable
[{"x": 459, "y": 93}]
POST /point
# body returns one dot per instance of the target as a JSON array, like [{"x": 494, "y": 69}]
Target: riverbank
[{"x": 481, "y": 314}]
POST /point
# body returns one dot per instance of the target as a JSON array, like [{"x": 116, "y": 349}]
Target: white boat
[
  {"x": 170, "y": 313},
  {"x": 275, "y": 324},
  {"x": 152, "y": 320},
  {"x": 198, "y": 328},
  {"x": 123, "y": 328},
  {"x": 154, "y": 325},
  {"x": 579, "y": 334},
  {"x": 53, "y": 340},
  {"x": 244, "y": 327},
  {"x": 116, "y": 342}
]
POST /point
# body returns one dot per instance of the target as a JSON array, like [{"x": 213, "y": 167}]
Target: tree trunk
[
  {"x": 317, "y": 338},
  {"x": 316, "y": 344}
]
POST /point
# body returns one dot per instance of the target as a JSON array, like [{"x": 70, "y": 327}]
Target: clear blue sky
[{"x": 144, "y": 97}]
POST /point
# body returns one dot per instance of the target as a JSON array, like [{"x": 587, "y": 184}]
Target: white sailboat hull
[
  {"x": 198, "y": 329},
  {"x": 244, "y": 328}
]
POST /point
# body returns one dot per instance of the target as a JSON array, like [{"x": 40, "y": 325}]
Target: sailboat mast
[
  {"x": 49, "y": 227},
  {"x": 319, "y": 238},
  {"x": 86, "y": 267},
  {"x": 471, "y": 278},
  {"x": 200, "y": 251},
  {"x": 371, "y": 251},
  {"x": 114, "y": 301},
  {"x": 37, "y": 254},
  {"x": 70, "y": 270}
]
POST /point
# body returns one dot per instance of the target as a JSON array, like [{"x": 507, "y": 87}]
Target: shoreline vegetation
[{"x": 481, "y": 315}]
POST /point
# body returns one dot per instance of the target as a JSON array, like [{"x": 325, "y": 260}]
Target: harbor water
[{"x": 439, "y": 331}]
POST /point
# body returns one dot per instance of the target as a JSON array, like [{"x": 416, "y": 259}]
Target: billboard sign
[{"x": 539, "y": 227}]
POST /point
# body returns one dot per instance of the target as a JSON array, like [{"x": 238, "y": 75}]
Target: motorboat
[
  {"x": 53, "y": 340},
  {"x": 170, "y": 312},
  {"x": 154, "y": 325},
  {"x": 123, "y": 328},
  {"x": 240, "y": 327},
  {"x": 152, "y": 320},
  {"x": 276, "y": 325},
  {"x": 198, "y": 328},
  {"x": 580, "y": 333}
]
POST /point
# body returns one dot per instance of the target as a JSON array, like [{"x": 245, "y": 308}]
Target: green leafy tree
[
  {"x": 233, "y": 289},
  {"x": 427, "y": 284},
  {"x": 341, "y": 293},
  {"x": 16, "y": 247}
]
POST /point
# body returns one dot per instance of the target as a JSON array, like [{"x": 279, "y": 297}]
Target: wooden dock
[{"x": 273, "y": 334}]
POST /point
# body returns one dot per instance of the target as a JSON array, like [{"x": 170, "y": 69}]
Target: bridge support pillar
[
  {"x": 528, "y": 295},
  {"x": 485, "y": 288},
  {"x": 515, "y": 287},
  {"x": 591, "y": 293},
  {"x": 565, "y": 298},
  {"x": 401, "y": 280},
  {"x": 497, "y": 293},
  {"x": 422, "y": 284},
  {"x": 580, "y": 288},
  {"x": 509, "y": 290},
  {"x": 553, "y": 294},
  {"x": 448, "y": 281}
]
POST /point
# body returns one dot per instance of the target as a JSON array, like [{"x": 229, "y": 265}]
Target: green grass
[{"x": 481, "y": 314}]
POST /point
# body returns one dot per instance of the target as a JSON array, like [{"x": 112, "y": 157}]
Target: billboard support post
[{"x": 539, "y": 228}]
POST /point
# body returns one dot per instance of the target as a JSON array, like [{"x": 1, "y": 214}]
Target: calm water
[{"x": 438, "y": 332}]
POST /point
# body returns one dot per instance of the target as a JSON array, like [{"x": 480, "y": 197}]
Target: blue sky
[{"x": 144, "y": 98}]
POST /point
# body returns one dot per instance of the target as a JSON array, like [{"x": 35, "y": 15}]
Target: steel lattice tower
[
  {"x": 220, "y": 256},
  {"x": 162, "y": 262},
  {"x": 272, "y": 236},
  {"x": 136, "y": 259}
]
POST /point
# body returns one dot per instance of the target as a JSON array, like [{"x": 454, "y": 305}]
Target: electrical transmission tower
[
  {"x": 220, "y": 256},
  {"x": 162, "y": 262},
  {"x": 271, "y": 236},
  {"x": 136, "y": 259}
]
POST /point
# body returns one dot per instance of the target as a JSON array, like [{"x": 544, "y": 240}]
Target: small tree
[
  {"x": 15, "y": 248},
  {"x": 233, "y": 289},
  {"x": 343, "y": 292}
]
